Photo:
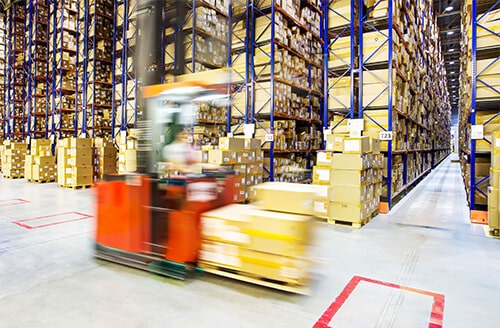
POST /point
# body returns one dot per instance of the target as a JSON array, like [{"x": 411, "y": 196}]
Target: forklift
[{"x": 151, "y": 219}]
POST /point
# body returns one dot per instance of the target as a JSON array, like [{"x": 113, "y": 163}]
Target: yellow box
[
  {"x": 349, "y": 194},
  {"x": 335, "y": 142},
  {"x": 324, "y": 158},
  {"x": 45, "y": 160},
  {"x": 79, "y": 180},
  {"x": 349, "y": 212},
  {"x": 321, "y": 206},
  {"x": 493, "y": 210},
  {"x": 351, "y": 161},
  {"x": 222, "y": 157},
  {"x": 227, "y": 224},
  {"x": 360, "y": 145},
  {"x": 285, "y": 197},
  {"x": 375, "y": 146},
  {"x": 350, "y": 177},
  {"x": 322, "y": 175}
]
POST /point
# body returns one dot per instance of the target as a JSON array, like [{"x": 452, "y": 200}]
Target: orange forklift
[{"x": 151, "y": 219}]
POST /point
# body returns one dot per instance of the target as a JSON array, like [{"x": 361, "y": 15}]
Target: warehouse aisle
[{"x": 48, "y": 277}]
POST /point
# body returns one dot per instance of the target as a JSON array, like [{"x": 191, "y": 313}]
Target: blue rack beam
[{"x": 476, "y": 80}]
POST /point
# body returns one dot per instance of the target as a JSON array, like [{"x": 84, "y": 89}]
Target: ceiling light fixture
[
  {"x": 449, "y": 8},
  {"x": 450, "y": 32},
  {"x": 452, "y": 62},
  {"x": 451, "y": 50}
]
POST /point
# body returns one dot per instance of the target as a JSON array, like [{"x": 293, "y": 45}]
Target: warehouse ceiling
[{"x": 448, "y": 13}]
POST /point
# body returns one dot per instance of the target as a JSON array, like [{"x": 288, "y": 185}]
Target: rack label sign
[
  {"x": 269, "y": 137},
  {"x": 477, "y": 132},
  {"x": 385, "y": 135}
]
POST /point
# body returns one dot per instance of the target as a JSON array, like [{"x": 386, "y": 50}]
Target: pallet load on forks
[
  {"x": 74, "y": 163},
  {"x": 40, "y": 165},
  {"x": 265, "y": 243},
  {"x": 13, "y": 158},
  {"x": 104, "y": 158},
  {"x": 351, "y": 171}
]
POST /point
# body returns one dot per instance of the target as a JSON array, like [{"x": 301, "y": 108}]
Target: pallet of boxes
[
  {"x": 13, "y": 157},
  {"x": 74, "y": 163},
  {"x": 245, "y": 157},
  {"x": 350, "y": 171},
  {"x": 494, "y": 188},
  {"x": 104, "y": 158},
  {"x": 40, "y": 165},
  {"x": 265, "y": 243},
  {"x": 127, "y": 152}
]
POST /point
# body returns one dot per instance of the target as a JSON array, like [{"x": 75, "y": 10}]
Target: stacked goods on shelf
[
  {"x": 474, "y": 153},
  {"x": 74, "y": 162},
  {"x": 211, "y": 124},
  {"x": 3, "y": 57},
  {"x": 36, "y": 63},
  {"x": 493, "y": 190},
  {"x": 15, "y": 72},
  {"x": 284, "y": 81},
  {"x": 244, "y": 157},
  {"x": 94, "y": 99},
  {"x": 62, "y": 67},
  {"x": 104, "y": 158},
  {"x": 206, "y": 30},
  {"x": 351, "y": 171},
  {"x": 125, "y": 106},
  {"x": 127, "y": 152},
  {"x": 418, "y": 81},
  {"x": 257, "y": 244},
  {"x": 13, "y": 157},
  {"x": 40, "y": 164}
]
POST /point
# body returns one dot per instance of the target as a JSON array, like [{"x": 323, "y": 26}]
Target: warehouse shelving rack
[
  {"x": 3, "y": 64},
  {"x": 61, "y": 79},
  {"x": 257, "y": 79},
  {"x": 189, "y": 34},
  {"x": 124, "y": 99},
  {"x": 36, "y": 69},
  {"x": 94, "y": 58},
  {"x": 362, "y": 69},
  {"x": 15, "y": 72},
  {"x": 479, "y": 12}
]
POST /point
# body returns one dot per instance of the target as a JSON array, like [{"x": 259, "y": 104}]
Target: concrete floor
[{"x": 49, "y": 278}]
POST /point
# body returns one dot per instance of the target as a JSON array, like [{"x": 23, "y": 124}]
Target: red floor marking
[
  {"x": 14, "y": 201},
  {"x": 27, "y": 226},
  {"x": 435, "y": 320}
]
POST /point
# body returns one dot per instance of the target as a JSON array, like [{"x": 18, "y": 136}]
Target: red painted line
[
  {"x": 435, "y": 320},
  {"x": 27, "y": 226},
  {"x": 9, "y": 201}
]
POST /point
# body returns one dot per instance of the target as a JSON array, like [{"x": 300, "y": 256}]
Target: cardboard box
[
  {"x": 359, "y": 145},
  {"x": 493, "y": 210},
  {"x": 349, "y": 177},
  {"x": 375, "y": 146},
  {"x": 80, "y": 143},
  {"x": 324, "y": 158},
  {"x": 285, "y": 197},
  {"x": 335, "y": 142},
  {"x": 321, "y": 207},
  {"x": 349, "y": 212},
  {"x": 226, "y": 143},
  {"x": 79, "y": 180},
  {"x": 79, "y": 171},
  {"x": 495, "y": 178},
  {"x": 45, "y": 160},
  {"x": 351, "y": 161},
  {"x": 322, "y": 175},
  {"x": 227, "y": 224},
  {"x": 222, "y": 157},
  {"x": 349, "y": 194}
]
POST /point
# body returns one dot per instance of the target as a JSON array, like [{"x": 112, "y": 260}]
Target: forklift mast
[{"x": 153, "y": 17}]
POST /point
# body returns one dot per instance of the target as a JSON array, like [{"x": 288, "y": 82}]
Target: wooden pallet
[
  {"x": 13, "y": 177},
  {"x": 254, "y": 279},
  {"x": 355, "y": 225},
  {"x": 491, "y": 233},
  {"x": 75, "y": 187},
  {"x": 41, "y": 181}
]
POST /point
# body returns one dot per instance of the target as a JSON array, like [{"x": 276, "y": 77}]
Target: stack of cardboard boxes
[
  {"x": 245, "y": 157},
  {"x": 104, "y": 158},
  {"x": 13, "y": 158},
  {"x": 127, "y": 153},
  {"x": 74, "y": 162},
  {"x": 261, "y": 242},
  {"x": 351, "y": 171},
  {"x": 493, "y": 189},
  {"x": 40, "y": 164}
]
